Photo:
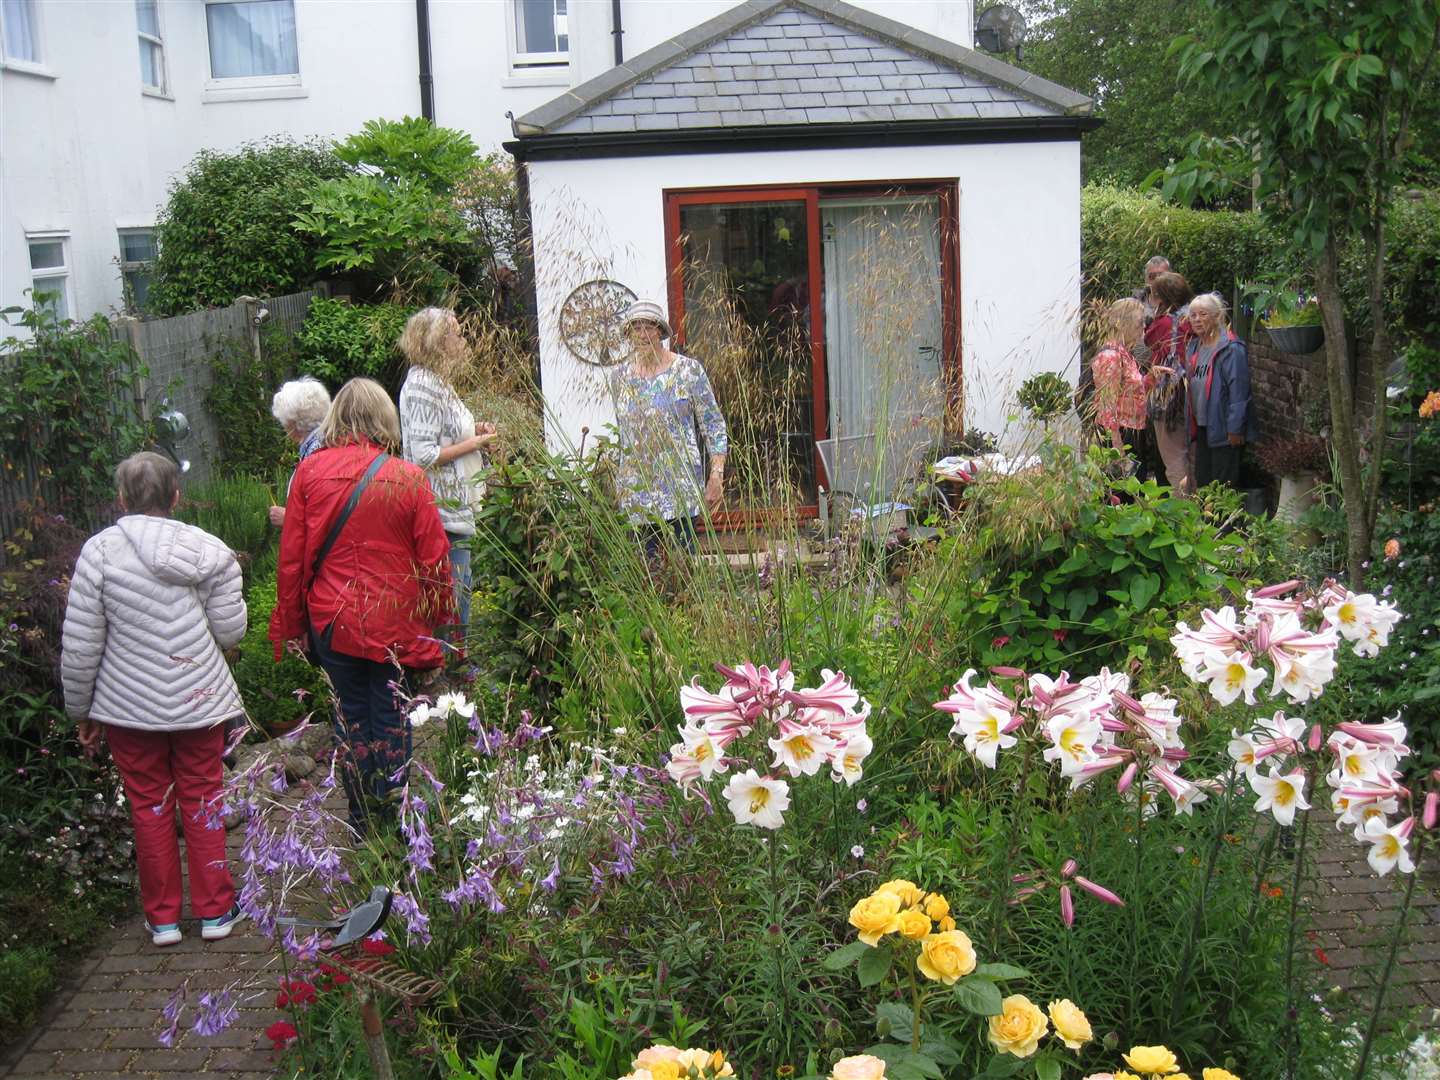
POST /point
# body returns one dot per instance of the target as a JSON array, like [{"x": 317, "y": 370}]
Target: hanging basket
[{"x": 1297, "y": 340}]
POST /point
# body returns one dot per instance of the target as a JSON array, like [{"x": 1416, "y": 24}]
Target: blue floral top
[{"x": 661, "y": 473}]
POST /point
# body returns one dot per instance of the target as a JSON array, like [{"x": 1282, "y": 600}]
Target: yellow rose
[
  {"x": 1218, "y": 1074},
  {"x": 1071, "y": 1025},
  {"x": 719, "y": 1066},
  {"x": 913, "y": 924},
  {"x": 946, "y": 956},
  {"x": 908, "y": 892},
  {"x": 1019, "y": 1027},
  {"x": 1126, "y": 1076},
  {"x": 936, "y": 906},
  {"x": 656, "y": 1055},
  {"x": 875, "y": 916},
  {"x": 1155, "y": 1060},
  {"x": 858, "y": 1067},
  {"x": 664, "y": 1070},
  {"x": 945, "y": 923}
]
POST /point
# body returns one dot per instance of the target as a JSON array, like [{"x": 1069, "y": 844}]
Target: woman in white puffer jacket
[{"x": 153, "y": 604}]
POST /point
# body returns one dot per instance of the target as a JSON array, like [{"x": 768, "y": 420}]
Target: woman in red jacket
[
  {"x": 363, "y": 584},
  {"x": 1167, "y": 336}
]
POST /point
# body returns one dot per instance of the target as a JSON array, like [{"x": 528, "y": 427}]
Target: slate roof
[{"x": 790, "y": 63}]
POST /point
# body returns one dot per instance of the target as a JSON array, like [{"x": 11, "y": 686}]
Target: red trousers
[{"x": 163, "y": 770}]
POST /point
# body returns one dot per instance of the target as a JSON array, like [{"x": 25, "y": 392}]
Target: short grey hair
[
  {"x": 1157, "y": 260},
  {"x": 1212, "y": 301},
  {"x": 147, "y": 483},
  {"x": 301, "y": 403}
]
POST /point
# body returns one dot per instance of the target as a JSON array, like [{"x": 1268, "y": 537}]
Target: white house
[
  {"x": 103, "y": 102},
  {"x": 888, "y": 220}
]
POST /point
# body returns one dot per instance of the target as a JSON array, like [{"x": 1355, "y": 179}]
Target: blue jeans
[
  {"x": 371, "y": 728},
  {"x": 654, "y": 538},
  {"x": 460, "y": 572}
]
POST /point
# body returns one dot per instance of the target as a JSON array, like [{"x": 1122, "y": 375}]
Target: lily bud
[
  {"x": 1068, "y": 870},
  {"x": 1007, "y": 672},
  {"x": 1406, "y": 827},
  {"x": 1127, "y": 778},
  {"x": 1432, "y": 810},
  {"x": 1277, "y": 590},
  {"x": 1098, "y": 891},
  {"x": 1128, "y": 702},
  {"x": 1316, "y": 737},
  {"x": 1067, "y": 907}
]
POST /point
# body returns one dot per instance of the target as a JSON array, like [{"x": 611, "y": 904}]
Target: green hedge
[
  {"x": 1121, "y": 228},
  {"x": 341, "y": 340}
]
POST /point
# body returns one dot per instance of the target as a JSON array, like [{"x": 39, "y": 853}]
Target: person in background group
[
  {"x": 670, "y": 426},
  {"x": 363, "y": 585},
  {"x": 1167, "y": 335},
  {"x": 440, "y": 434},
  {"x": 1119, "y": 386},
  {"x": 154, "y": 603},
  {"x": 1218, "y": 413},
  {"x": 1154, "y": 267},
  {"x": 299, "y": 406}
]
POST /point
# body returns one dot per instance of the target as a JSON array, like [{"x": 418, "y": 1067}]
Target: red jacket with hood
[{"x": 385, "y": 584}]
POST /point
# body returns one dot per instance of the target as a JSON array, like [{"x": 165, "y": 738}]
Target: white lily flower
[
  {"x": 1230, "y": 676},
  {"x": 1281, "y": 794},
  {"x": 1073, "y": 738},
  {"x": 802, "y": 750},
  {"x": 847, "y": 761},
  {"x": 1389, "y": 847},
  {"x": 1242, "y": 749},
  {"x": 423, "y": 713},
  {"x": 704, "y": 750},
  {"x": 757, "y": 800}
]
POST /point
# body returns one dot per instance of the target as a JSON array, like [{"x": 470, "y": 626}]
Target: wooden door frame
[{"x": 812, "y": 195}]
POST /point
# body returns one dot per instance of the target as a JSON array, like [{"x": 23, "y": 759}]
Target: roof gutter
[
  {"x": 800, "y": 136},
  {"x": 427, "y": 77}
]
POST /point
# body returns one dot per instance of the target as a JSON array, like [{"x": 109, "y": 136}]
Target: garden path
[{"x": 106, "y": 1025}]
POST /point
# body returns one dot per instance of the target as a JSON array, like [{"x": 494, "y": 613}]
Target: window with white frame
[
  {"x": 137, "y": 263},
  {"x": 50, "y": 273},
  {"x": 20, "y": 30},
  {"x": 540, "y": 33},
  {"x": 252, "y": 39},
  {"x": 152, "y": 45}
]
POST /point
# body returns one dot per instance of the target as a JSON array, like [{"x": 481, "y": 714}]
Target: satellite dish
[{"x": 1001, "y": 29}]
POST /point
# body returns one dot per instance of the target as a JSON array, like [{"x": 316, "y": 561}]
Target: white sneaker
[
  {"x": 220, "y": 926},
  {"x": 165, "y": 933}
]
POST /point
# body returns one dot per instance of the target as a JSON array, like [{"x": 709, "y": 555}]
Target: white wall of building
[
  {"x": 1019, "y": 211},
  {"x": 85, "y": 151}
]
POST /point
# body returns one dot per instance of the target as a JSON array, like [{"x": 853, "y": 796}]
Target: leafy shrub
[
  {"x": 411, "y": 149},
  {"x": 226, "y": 229},
  {"x": 340, "y": 340},
  {"x": 276, "y": 695},
  {"x": 241, "y": 389},
  {"x": 27, "y": 976},
  {"x": 66, "y": 402},
  {"x": 1045, "y": 396}
]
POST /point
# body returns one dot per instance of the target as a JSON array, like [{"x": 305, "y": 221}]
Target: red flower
[
  {"x": 1320, "y": 955},
  {"x": 295, "y": 992},
  {"x": 1059, "y": 635},
  {"x": 1000, "y": 642},
  {"x": 377, "y": 948},
  {"x": 335, "y": 975},
  {"x": 281, "y": 1034}
]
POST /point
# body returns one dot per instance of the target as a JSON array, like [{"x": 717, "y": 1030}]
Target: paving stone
[
  {"x": 34, "y": 1064},
  {"x": 173, "y": 1060},
  {"x": 137, "y": 1038},
  {"x": 81, "y": 1062},
  {"x": 241, "y": 1061},
  {"x": 128, "y": 962},
  {"x": 82, "y": 1038}
]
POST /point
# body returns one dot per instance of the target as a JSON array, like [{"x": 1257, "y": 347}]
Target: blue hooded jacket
[{"x": 1227, "y": 407}]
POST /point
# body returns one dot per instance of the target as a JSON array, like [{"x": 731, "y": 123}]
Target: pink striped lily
[{"x": 722, "y": 716}]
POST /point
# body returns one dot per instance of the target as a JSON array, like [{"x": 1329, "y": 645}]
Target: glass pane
[
  {"x": 147, "y": 17},
  {"x": 137, "y": 246},
  {"x": 46, "y": 253},
  {"x": 152, "y": 74},
  {"x": 250, "y": 38},
  {"x": 535, "y": 26},
  {"x": 137, "y": 289},
  {"x": 50, "y": 293},
  {"x": 746, "y": 277},
  {"x": 22, "y": 37}
]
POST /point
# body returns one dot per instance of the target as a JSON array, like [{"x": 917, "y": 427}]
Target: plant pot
[
  {"x": 1297, "y": 340},
  {"x": 1257, "y": 501},
  {"x": 1297, "y": 495}
]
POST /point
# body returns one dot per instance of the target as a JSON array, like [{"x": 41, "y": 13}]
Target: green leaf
[
  {"x": 979, "y": 996},
  {"x": 900, "y": 1018},
  {"x": 1143, "y": 589},
  {"x": 844, "y": 956},
  {"x": 940, "y": 1052},
  {"x": 922, "y": 1064},
  {"x": 1000, "y": 971},
  {"x": 875, "y": 965},
  {"x": 1047, "y": 1068},
  {"x": 1002, "y": 1065}
]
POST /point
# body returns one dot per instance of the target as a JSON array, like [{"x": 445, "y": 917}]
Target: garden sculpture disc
[{"x": 590, "y": 321}]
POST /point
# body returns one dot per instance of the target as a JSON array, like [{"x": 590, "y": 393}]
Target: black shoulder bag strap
[{"x": 345, "y": 513}]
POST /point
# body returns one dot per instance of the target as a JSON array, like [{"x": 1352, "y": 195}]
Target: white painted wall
[
  {"x": 85, "y": 150},
  {"x": 1019, "y": 253}
]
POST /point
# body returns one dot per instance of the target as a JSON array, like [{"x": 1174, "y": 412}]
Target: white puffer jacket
[{"x": 153, "y": 603}]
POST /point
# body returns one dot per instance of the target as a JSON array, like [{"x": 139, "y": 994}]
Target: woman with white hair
[
  {"x": 300, "y": 406},
  {"x": 1217, "y": 406},
  {"x": 439, "y": 433}
]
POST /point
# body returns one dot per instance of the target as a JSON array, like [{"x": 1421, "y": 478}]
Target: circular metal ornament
[{"x": 590, "y": 321}]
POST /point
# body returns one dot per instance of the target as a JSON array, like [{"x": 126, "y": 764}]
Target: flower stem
[
  {"x": 1135, "y": 903},
  {"x": 773, "y": 928},
  {"x": 1292, "y": 1012},
  {"x": 914, "y": 1011},
  {"x": 1177, "y": 996},
  {"x": 1373, "y": 1026}
]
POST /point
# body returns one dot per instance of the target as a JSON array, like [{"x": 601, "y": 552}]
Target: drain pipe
[
  {"x": 427, "y": 77},
  {"x": 617, "y": 32}
]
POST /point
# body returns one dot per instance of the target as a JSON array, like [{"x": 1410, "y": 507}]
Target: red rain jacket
[{"x": 385, "y": 583}]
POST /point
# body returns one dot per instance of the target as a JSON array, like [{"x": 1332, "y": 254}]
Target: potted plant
[
  {"x": 1045, "y": 397},
  {"x": 1298, "y": 461},
  {"x": 1294, "y": 324}
]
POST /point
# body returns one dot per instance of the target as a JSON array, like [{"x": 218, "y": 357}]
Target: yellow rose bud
[
  {"x": 946, "y": 956},
  {"x": 1122, "y": 1075},
  {"x": 1019, "y": 1027},
  {"x": 1156, "y": 1060},
  {"x": 909, "y": 893},
  {"x": 936, "y": 906},
  {"x": 1180, "y": 1076},
  {"x": 946, "y": 923},
  {"x": 1218, "y": 1074},
  {"x": 913, "y": 924},
  {"x": 859, "y": 1067},
  {"x": 1071, "y": 1025},
  {"x": 875, "y": 916}
]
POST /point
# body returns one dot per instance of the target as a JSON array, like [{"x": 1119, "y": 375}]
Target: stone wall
[{"x": 1289, "y": 391}]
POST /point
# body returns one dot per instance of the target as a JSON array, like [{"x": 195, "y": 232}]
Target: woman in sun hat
[{"x": 673, "y": 439}]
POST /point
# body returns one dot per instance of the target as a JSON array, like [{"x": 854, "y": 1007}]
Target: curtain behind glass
[
  {"x": 536, "y": 22},
  {"x": 883, "y": 333},
  {"x": 253, "y": 38},
  {"x": 22, "y": 38}
]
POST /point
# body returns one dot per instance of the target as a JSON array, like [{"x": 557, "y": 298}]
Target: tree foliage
[{"x": 226, "y": 230}]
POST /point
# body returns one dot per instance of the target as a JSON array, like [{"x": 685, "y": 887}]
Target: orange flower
[
  {"x": 1431, "y": 405},
  {"x": 1392, "y": 548}
]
